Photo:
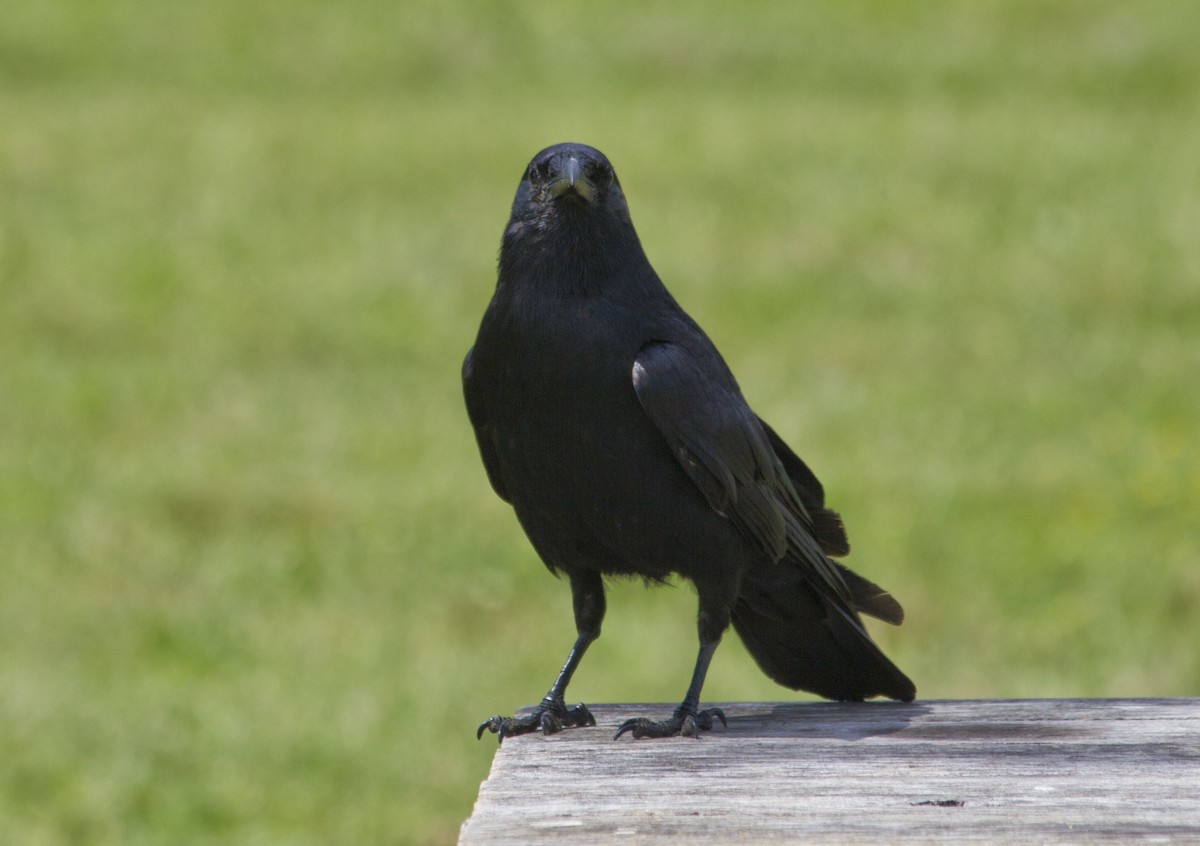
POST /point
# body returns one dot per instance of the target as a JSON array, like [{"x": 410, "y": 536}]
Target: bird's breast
[{"x": 586, "y": 469}]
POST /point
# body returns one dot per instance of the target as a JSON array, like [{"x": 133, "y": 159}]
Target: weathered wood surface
[{"x": 1007, "y": 771}]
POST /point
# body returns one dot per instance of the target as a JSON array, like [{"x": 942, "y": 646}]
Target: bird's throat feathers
[{"x": 573, "y": 260}]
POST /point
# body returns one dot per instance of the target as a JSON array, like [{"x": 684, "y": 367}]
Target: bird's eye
[
  {"x": 539, "y": 171},
  {"x": 602, "y": 175}
]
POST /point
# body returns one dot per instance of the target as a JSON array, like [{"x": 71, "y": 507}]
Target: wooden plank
[{"x": 1007, "y": 771}]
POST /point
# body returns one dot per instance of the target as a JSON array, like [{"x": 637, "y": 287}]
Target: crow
[{"x": 608, "y": 420}]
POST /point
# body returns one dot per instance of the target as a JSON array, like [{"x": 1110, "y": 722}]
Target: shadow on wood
[{"x": 1049, "y": 771}]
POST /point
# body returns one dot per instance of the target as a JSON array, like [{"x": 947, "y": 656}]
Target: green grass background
[{"x": 254, "y": 587}]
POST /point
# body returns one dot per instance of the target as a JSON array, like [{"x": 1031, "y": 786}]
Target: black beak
[{"x": 571, "y": 178}]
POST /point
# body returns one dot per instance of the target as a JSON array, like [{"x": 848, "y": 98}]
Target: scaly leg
[
  {"x": 688, "y": 720},
  {"x": 552, "y": 714}
]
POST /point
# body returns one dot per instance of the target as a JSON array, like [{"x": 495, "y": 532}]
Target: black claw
[
  {"x": 680, "y": 723},
  {"x": 492, "y": 724},
  {"x": 550, "y": 723},
  {"x": 550, "y": 718},
  {"x": 629, "y": 725},
  {"x": 504, "y": 727},
  {"x": 705, "y": 718},
  {"x": 581, "y": 716}
]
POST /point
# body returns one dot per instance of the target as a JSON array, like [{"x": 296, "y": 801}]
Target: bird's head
[
  {"x": 566, "y": 181},
  {"x": 570, "y": 228}
]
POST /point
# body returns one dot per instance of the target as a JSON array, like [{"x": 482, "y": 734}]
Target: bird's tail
[{"x": 805, "y": 638}]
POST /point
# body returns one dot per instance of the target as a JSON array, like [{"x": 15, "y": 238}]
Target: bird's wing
[
  {"x": 866, "y": 596},
  {"x": 829, "y": 530},
  {"x": 746, "y": 472},
  {"x": 715, "y": 437},
  {"x": 483, "y": 429},
  {"x": 721, "y": 445}
]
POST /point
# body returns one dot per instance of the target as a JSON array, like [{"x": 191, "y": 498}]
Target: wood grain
[{"x": 1007, "y": 771}]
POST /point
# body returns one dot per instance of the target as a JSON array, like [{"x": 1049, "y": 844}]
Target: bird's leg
[
  {"x": 552, "y": 714},
  {"x": 688, "y": 720}
]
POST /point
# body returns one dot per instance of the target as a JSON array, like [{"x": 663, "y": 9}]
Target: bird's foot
[
  {"x": 683, "y": 722},
  {"x": 549, "y": 716}
]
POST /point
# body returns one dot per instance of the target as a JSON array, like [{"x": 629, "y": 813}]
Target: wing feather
[{"x": 483, "y": 429}]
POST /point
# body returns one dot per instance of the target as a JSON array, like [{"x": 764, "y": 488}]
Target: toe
[
  {"x": 580, "y": 716},
  {"x": 640, "y": 727},
  {"x": 682, "y": 722},
  {"x": 704, "y": 719},
  {"x": 629, "y": 725},
  {"x": 492, "y": 724},
  {"x": 550, "y": 722}
]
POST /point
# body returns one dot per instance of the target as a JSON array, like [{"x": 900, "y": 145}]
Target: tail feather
[
  {"x": 830, "y": 531},
  {"x": 869, "y": 598},
  {"x": 806, "y": 640}
]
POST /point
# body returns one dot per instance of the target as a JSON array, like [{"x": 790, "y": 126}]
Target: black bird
[{"x": 610, "y": 422}]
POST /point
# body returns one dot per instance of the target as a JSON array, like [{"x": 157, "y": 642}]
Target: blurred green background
[{"x": 254, "y": 587}]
